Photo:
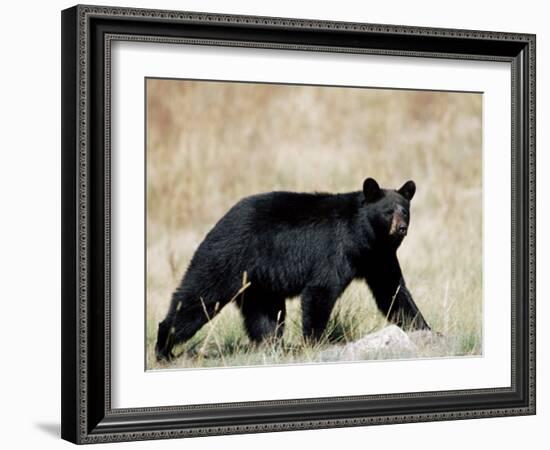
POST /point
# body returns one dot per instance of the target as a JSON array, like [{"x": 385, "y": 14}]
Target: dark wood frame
[{"x": 87, "y": 32}]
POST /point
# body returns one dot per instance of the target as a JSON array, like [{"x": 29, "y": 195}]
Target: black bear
[{"x": 290, "y": 244}]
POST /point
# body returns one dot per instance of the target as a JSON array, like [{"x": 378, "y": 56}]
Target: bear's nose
[{"x": 402, "y": 230}]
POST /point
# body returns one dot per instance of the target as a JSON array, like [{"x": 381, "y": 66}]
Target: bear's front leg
[
  {"x": 404, "y": 311},
  {"x": 392, "y": 296}
]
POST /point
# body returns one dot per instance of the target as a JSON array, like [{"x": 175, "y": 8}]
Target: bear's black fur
[{"x": 290, "y": 244}]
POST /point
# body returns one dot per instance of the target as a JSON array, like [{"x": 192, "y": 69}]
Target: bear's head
[{"x": 388, "y": 210}]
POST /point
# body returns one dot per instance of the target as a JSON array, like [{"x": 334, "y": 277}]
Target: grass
[{"x": 210, "y": 144}]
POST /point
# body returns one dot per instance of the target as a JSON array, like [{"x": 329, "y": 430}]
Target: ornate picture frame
[{"x": 88, "y": 33}]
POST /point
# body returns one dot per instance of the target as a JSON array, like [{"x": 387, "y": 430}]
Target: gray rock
[{"x": 390, "y": 342}]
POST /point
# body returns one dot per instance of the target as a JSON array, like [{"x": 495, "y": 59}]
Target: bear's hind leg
[
  {"x": 264, "y": 315},
  {"x": 181, "y": 325},
  {"x": 317, "y": 304}
]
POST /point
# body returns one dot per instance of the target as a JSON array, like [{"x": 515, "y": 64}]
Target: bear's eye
[{"x": 388, "y": 212}]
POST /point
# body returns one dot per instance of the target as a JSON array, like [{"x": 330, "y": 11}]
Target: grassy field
[{"x": 210, "y": 144}]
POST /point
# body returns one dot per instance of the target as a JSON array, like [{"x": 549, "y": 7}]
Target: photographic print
[
  {"x": 298, "y": 199},
  {"x": 293, "y": 224}
]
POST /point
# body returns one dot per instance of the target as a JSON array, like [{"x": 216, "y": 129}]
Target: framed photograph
[{"x": 280, "y": 224}]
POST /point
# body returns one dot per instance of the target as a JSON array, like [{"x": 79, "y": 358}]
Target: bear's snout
[{"x": 399, "y": 226}]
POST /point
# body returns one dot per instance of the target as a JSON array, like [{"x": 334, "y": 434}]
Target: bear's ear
[
  {"x": 408, "y": 190},
  {"x": 371, "y": 190}
]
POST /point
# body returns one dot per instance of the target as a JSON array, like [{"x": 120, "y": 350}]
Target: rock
[{"x": 390, "y": 342}]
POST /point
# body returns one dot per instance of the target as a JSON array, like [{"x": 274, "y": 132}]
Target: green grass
[{"x": 223, "y": 341}]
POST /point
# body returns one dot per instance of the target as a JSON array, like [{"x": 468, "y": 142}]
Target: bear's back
[{"x": 296, "y": 209}]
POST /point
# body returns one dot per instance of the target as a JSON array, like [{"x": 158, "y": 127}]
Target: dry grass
[{"x": 210, "y": 144}]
